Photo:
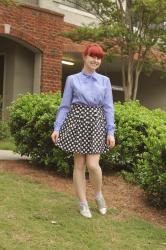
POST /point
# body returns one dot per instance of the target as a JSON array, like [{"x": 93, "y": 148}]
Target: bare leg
[
  {"x": 95, "y": 173},
  {"x": 79, "y": 176}
]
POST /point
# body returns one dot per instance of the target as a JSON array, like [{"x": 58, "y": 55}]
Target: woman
[{"x": 84, "y": 125}]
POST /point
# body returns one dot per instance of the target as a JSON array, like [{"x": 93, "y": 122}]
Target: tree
[
  {"x": 8, "y": 2},
  {"x": 135, "y": 30}
]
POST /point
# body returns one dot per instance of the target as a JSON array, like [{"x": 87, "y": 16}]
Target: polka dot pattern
[{"x": 83, "y": 130}]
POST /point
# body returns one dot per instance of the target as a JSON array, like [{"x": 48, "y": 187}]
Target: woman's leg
[
  {"x": 95, "y": 173},
  {"x": 79, "y": 176}
]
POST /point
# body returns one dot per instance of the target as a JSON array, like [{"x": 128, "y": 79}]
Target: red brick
[{"x": 39, "y": 28}]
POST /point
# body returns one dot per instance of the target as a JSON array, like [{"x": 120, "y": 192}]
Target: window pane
[{"x": 32, "y": 2}]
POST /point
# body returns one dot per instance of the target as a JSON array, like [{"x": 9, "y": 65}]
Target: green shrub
[
  {"x": 141, "y": 147},
  {"x": 130, "y": 132},
  {"x": 151, "y": 169},
  {"x": 140, "y": 140},
  {"x": 31, "y": 123},
  {"x": 4, "y": 130},
  {"x": 128, "y": 177}
]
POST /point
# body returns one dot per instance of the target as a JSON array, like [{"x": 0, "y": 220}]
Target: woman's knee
[
  {"x": 93, "y": 166},
  {"x": 79, "y": 161},
  {"x": 92, "y": 162}
]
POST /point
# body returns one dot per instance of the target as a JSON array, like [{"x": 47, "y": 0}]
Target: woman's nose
[{"x": 95, "y": 58}]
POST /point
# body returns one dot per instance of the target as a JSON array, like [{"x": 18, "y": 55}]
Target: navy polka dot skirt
[{"x": 83, "y": 130}]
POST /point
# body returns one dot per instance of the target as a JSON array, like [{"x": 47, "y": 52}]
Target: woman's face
[{"x": 91, "y": 62}]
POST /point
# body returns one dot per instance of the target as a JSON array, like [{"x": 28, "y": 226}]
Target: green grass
[
  {"x": 27, "y": 209},
  {"x": 7, "y": 144}
]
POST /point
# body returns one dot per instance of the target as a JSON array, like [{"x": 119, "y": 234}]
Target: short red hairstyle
[{"x": 93, "y": 50}]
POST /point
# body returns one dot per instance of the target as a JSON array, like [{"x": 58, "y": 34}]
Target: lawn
[
  {"x": 7, "y": 144},
  {"x": 28, "y": 208}
]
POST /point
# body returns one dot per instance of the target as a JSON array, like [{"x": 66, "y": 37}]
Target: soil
[{"x": 119, "y": 195}]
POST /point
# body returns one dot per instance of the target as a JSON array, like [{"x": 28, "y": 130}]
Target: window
[
  {"x": 77, "y": 4},
  {"x": 31, "y": 2}
]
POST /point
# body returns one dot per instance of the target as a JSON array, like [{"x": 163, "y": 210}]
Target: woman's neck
[{"x": 87, "y": 71}]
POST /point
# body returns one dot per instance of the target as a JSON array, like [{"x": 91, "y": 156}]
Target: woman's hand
[
  {"x": 55, "y": 136},
  {"x": 110, "y": 141}
]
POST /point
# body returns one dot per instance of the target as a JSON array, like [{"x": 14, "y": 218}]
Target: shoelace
[
  {"x": 84, "y": 207},
  {"x": 101, "y": 203}
]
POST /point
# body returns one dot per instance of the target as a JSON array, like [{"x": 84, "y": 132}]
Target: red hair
[{"x": 93, "y": 50}]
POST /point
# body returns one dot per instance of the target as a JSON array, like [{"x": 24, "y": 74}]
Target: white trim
[{"x": 7, "y": 28}]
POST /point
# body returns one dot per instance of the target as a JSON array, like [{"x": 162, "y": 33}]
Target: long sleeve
[
  {"x": 65, "y": 104},
  {"x": 109, "y": 109}
]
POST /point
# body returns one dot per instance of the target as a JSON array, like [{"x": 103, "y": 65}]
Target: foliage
[
  {"x": 7, "y": 144},
  {"x": 131, "y": 30},
  {"x": 4, "y": 128},
  {"x": 141, "y": 147},
  {"x": 9, "y": 2},
  {"x": 128, "y": 176},
  {"x": 140, "y": 140},
  {"x": 31, "y": 123},
  {"x": 151, "y": 169},
  {"x": 131, "y": 129}
]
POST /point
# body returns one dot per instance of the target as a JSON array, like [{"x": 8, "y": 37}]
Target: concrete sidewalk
[{"x": 10, "y": 155}]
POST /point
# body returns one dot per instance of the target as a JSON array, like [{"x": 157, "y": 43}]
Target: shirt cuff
[
  {"x": 110, "y": 132},
  {"x": 56, "y": 127}
]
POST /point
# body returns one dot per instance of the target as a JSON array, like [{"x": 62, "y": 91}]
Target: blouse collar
[{"x": 91, "y": 75}]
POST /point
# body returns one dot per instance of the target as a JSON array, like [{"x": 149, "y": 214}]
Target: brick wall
[
  {"x": 68, "y": 44},
  {"x": 39, "y": 28}
]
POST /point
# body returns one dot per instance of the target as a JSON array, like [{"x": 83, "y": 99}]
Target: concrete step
[{"x": 10, "y": 155}]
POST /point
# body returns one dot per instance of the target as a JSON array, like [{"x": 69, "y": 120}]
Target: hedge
[
  {"x": 4, "y": 129},
  {"x": 141, "y": 147},
  {"x": 140, "y": 140}
]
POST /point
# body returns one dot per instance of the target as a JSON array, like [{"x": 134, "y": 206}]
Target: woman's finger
[{"x": 111, "y": 143}]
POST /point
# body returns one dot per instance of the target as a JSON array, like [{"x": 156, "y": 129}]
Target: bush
[
  {"x": 140, "y": 140},
  {"x": 128, "y": 176},
  {"x": 4, "y": 128},
  {"x": 141, "y": 147},
  {"x": 31, "y": 123},
  {"x": 151, "y": 169}
]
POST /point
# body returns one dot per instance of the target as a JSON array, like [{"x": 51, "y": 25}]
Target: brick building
[{"x": 32, "y": 53}]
